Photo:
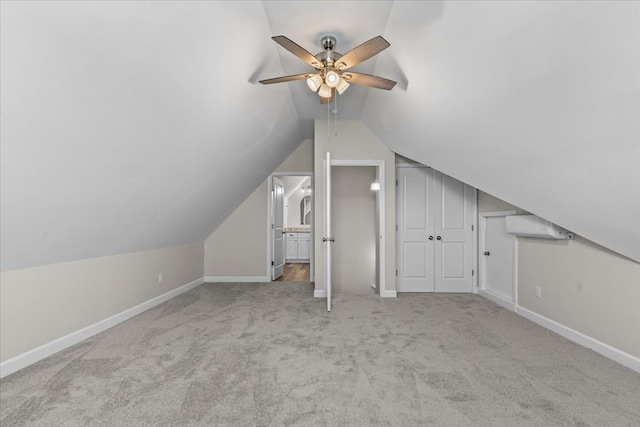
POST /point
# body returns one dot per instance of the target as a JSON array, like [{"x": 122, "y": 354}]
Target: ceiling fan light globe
[
  {"x": 314, "y": 82},
  {"x": 342, "y": 86},
  {"x": 325, "y": 91},
  {"x": 332, "y": 79}
]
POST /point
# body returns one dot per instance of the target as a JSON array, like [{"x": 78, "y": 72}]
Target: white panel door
[
  {"x": 498, "y": 259},
  {"x": 277, "y": 228},
  {"x": 415, "y": 229},
  {"x": 454, "y": 214}
]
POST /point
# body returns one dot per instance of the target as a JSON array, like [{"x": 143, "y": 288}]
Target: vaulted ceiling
[{"x": 137, "y": 125}]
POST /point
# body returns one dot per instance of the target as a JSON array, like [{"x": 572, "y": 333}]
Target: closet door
[
  {"x": 415, "y": 219},
  {"x": 454, "y": 214}
]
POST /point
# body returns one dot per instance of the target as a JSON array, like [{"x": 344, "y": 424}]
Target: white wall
[
  {"x": 353, "y": 209},
  {"x": 120, "y": 128},
  {"x": 354, "y": 142},
  {"x": 584, "y": 286},
  {"x": 536, "y": 102},
  {"x": 41, "y": 304},
  {"x": 238, "y": 247}
]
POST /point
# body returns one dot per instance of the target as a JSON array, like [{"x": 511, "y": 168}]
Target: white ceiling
[{"x": 122, "y": 122}]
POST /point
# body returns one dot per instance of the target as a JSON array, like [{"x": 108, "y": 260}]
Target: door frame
[
  {"x": 380, "y": 172},
  {"x": 270, "y": 220},
  {"x": 482, "y": 276}
]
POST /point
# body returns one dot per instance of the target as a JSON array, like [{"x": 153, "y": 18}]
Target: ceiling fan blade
[
  {"x": 368, "y": 80},
  {"x": 363, "y": 52},
  {"x": 297, "y": 50},
  {"x": 285, "y": 78}
]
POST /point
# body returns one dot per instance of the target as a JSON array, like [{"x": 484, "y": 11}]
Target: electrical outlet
[
  {"x": 159, "y": 277},
  {"x": 538, "y": 291}
]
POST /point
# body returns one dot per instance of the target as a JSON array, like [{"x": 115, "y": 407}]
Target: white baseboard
[
  {"x": 320, "y": 293},
  {"x": 388, "y": 294},
  {"x": 606, "y": 350},
  {"x": 32, "y": 356},
  {"x": 497, "y": 299},
  {"x": 235, "y": 279}
]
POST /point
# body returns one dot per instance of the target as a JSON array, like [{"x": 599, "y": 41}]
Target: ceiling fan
[{"x": 331, "y": 67}]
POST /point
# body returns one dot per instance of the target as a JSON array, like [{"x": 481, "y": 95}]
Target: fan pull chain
[
  {"x": 328, "y": 121},
  {"x": 335, "y": 113}
]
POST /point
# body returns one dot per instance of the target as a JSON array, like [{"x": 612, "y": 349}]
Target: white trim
[
  {"x": 497, "y": 213},
  {"x": 319, "y": 293},
  {"x": 388, "y": 294},
  {"x": 498, "y": 299},
  {"x": 269, "y": 221},
  {"x": 237, "y": 279},
  {"x": 382, "y": 222},
  {"x": 32, "y": 356},
  {"x": 412, "y": 165},
  {"x": 606, "y": 350},
  {"x": 474, "y": 241}
]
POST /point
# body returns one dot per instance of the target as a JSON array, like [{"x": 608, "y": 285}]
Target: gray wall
[
  {"x": 353, "y": 208},
  {"x": 584, "y": 286},
  {"x": 238, "y": 248},
  {"x": 41, "y": 304}
]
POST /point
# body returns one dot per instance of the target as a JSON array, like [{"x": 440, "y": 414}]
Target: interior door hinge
[
  {"x": 471, "y": 227},
  {"x": 396, "y": 228},
  {"x": 396, "y": 182},
  {"x": 473, "y": 272},
  {"x": 396, "y": 272},
  {"x": 273, "y": 263}
]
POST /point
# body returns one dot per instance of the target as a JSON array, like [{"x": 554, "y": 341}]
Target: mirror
[{"x": 305, "y": 210}]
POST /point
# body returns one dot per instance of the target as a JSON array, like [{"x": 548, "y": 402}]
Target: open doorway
[
  {"x": 354, "y": 222},
  {"x": 290, "y": 224}
]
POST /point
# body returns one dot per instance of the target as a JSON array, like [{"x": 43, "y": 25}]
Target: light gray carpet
[{"x": 269, "y": 354}]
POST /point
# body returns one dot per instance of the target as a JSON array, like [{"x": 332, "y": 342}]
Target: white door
[
  {"x": 277, "y": 227},
  {"x": 415, "y": 230},
  {"x": 435, "y": 215},
  {"x": 327, "y": 239},
  {"x": 454, "y": 214},
  {"x": 498, "y": 254}
]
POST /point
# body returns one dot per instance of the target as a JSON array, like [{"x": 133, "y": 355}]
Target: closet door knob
[
  {"x": 430, "y": 237},
  {"x": 438, "y": 238}
]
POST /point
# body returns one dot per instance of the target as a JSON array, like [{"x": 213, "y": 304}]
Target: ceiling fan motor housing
[{"x": 328, "y": 42}]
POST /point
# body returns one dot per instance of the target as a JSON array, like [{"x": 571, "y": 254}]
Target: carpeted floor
[{"x": 269, "y": 354}]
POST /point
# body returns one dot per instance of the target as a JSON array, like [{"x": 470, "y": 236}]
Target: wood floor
[{"x": 295, "y": 272}]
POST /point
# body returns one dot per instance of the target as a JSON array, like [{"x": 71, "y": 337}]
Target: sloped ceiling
[
  {"x": 537, "y": 103},
  {"x": 136, "y": 125},
  {"x": 133, "y": 125}
]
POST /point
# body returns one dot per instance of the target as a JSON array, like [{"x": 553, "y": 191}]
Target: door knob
[
  {"x": 487, "y": 253},
  {"x": 438, "y": 238},
  {"x": 430, "y": 237}
]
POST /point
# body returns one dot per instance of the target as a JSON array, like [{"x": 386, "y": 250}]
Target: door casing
[
  {"x": 270, "y": 221},
  {"x": 380, "y": 172}
]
